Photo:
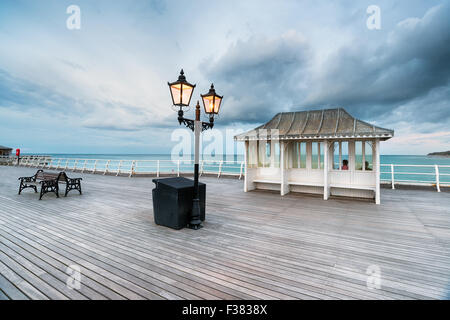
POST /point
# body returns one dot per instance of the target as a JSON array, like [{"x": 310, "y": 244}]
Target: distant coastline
[{"x": 440, "y": 154}]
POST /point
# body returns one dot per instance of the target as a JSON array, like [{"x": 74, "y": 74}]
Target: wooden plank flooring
[{"x": 254, "y": 245}]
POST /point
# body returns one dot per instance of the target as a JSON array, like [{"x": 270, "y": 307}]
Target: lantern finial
[
  {"x": 212, "y": 90},
  {"x": 181, "y": 77}
]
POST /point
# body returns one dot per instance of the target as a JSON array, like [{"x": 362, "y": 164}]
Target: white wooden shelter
[
  {"x": 305, "y": 151},
  {"x": 5, "y": 151}
]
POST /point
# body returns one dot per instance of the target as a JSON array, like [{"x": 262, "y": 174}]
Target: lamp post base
[
  {"x": 195, "y": 226},
  {"x": 195, "y": 222}
]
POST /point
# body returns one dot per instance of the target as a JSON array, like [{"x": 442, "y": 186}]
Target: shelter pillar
[
  {"x": 377, "y": 171},
  {"x": 351, "y": 157},
  {"x": 272, "y": 153},
  {"x": 284, "y": 173},
  {"x": 308, "y": 155},
  {"x": 248, "y": 177},
  {"x": 326, "y": 162}
]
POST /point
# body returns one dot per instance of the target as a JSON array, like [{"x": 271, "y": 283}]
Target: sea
[{"x": 422, "y": 174}]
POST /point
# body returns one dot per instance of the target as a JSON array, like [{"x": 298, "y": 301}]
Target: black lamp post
[{"x": 181, "y": 92}]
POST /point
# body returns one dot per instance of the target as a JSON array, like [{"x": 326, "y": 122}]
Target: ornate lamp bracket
[{"x": 189, "y": 123}]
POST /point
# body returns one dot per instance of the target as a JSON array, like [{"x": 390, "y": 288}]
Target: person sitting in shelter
[
  {"x": 345, "y": 164},
  {"x": 367, "y": 168}
]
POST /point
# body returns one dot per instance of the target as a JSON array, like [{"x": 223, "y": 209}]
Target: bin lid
[{"x": 176, "y": 183}]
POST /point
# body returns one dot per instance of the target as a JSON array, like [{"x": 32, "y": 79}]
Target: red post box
[{"x": 18, "y": 155}]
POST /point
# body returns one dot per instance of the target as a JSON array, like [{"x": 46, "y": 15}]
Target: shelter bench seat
[
  {"x": 357, "y": 187},
  {"x": 293, "y": 183},
  {"x": 316, "y": 184},
  {"x": 49, "y": 182},
  {"x": 267, "y": 181},
  {"x": 308, "y": 184}
]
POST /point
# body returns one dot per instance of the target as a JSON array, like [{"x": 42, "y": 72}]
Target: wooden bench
[
  {"x": 291, "y": 183},
  {"x": 356, "y": 187},
  {"x": 49, "y": 182}
]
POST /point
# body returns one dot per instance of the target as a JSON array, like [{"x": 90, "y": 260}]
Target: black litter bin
[{"x": 172, "y": 201}]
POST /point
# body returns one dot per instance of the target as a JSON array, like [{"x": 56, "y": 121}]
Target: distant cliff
[{"x": 442, "y": 154}]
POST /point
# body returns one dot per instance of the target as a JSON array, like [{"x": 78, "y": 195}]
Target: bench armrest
[
  {"x": 48, "y": 182},
  {"x": 28, "y": 179},
  {"x": 74, "y": 179}
]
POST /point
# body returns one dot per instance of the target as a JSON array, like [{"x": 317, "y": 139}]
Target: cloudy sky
[{"x": 103, "y": 88}]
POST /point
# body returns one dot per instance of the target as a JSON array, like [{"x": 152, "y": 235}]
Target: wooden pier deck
[{"x": 254, "y": 245}]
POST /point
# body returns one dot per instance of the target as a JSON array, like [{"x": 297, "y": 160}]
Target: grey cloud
[
  {"x": 158, "y": 5},
  {"x": 258, "y": 75},
  {"x": 100, "y": 126},
  {"x": 414, "y": 59},
  {"x": 428, "y": 113},
  {"x": 405, "y": 76},
  {"x": 73, "y": 65},
  {"x": 24, "y": 95}
]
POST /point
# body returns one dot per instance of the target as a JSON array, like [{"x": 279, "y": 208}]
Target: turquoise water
[
  {"x": 416, "y": 160},
  {"x": 427, "y": 174}
]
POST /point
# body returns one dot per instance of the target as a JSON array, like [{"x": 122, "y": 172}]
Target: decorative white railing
[
  {"x": 137, "y": 167},
  {"x": 429, "y": 175},
  {"x": 392, "y": 174}
]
